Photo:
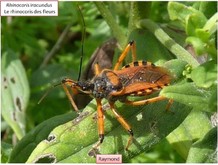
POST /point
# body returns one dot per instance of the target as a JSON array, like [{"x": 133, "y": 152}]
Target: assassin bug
[{"x": 139, "y": 78}]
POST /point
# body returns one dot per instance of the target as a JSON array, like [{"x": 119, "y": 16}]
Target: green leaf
[
  {"x": 189, "y": 16},
  {"x": 205, "y": 75},
  {"x": 205, "y": 149},
  {"x": 189, "y": 94},
  {"x": 208, "y": 8},
  {"x": 168, "y": 42},
  {"x": 43, "y": 77},
  {"x": 211, "y": 24},
  {"x": 27, "y": 144},
  {"x": 203, "y": 40},
  {"x": 188, "y": 132},
  {"x": 213, "y": 99},
  {"x": 73, "y": 140},
  {"x": 15, "y": 89},
  {"x": 145, "y": 44},
  {"x": 5, "y": 152},
  {"x": 161, "y": 153},
  {"x": 176, "y": 67},
  {"x": 203, "y": 34},
  {"x": 194, "y": 22},
  {"x": 198, "y": 44},
  {"x": 40, "y": 81},
  {"x": 115, "y": 28},
  {"x": 158, "y": 11}
]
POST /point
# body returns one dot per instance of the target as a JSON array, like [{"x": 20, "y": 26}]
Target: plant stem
[
  {"x": 57, "y": 46},
  {"x": 139, "y": 10},
  {"x": 168, "y": 42},
  {"x": 116, "y": 30}
]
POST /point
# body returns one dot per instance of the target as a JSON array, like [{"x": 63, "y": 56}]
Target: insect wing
[{"x": 143, "y": 78}]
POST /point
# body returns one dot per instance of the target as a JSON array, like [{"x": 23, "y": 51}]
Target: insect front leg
[
  {"x": 124, "y": 124},
  {"x": 68, "y": 82}
]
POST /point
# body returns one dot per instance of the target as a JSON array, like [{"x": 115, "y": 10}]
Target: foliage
[{"x": 177, "y": 35}]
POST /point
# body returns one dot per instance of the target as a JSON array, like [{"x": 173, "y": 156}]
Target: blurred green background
[{"x": 28, "y": 41}]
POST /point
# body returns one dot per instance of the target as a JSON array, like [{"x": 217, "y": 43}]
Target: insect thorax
[{"x": 105, "y": 83}]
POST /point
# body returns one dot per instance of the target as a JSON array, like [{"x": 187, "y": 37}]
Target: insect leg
[
  {"x": 100, "y": 123},
  {"x": 148, "y": 101},
  {"x": 97, "y": 69},
  {"x": 124, "y": 124},
  {"x": 125, "y": 52},
  {"x": 170, "y": 102},
  {"x": 64, "y": 84},
  {"x": 133, "y": 47}
]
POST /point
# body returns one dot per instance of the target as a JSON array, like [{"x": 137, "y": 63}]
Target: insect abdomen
[
  {"x": 138, "y": 63},
  {"x": 142, "y": 77}
]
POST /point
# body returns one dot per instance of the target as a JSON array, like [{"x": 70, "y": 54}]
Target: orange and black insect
[{"x": 139, "y": 78}]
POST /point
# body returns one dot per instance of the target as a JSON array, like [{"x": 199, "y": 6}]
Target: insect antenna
[
  {"x": 47, "y": 92},
  {"x": 82, "y": 41},
  {"x": 81, "y": 57}
]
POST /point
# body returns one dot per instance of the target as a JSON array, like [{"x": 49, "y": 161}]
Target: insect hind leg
[
  {"x": 170, "y": 102},
  {"x": 149, "y": 101}
]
